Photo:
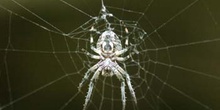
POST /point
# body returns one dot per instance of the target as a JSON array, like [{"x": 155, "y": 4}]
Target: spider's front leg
[
  {"x": 124, "y": 58},
  {"x": 91, "y": 85},
  {"x": 120, "y": 52},
  {"x": 93, "y": 47},
  {"x": 92, "y": 55}
]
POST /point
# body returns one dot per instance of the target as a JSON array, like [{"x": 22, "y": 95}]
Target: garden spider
[{"x": 109, "y": 49}]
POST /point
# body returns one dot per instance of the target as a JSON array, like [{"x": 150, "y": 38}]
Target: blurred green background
[{"x": 39, "y": 69}]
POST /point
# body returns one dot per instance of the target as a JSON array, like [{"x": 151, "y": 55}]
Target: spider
[{"x": 109, "y": 50}]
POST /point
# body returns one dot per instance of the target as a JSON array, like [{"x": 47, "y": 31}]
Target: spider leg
[
  {"x": 92, "y": 55},
  {"x": 124, "y": 58},
  {"x": 117, "y": 53},
  {"x": 123, "y": 97},
  {"x": 121, "y": 59},
  {"x": 91, "y": 85},
  {"x": 130, "y": 87},
  {"x": 126, "y": 75},
  {"x": 126, "y": 41},
  {"x": 87, "y": 74},
  {"x": 93, "y": 47},
  {"x": 96, "y": 50}
]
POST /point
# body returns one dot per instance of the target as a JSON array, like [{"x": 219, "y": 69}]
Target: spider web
[{"x": 175, "y": 65}]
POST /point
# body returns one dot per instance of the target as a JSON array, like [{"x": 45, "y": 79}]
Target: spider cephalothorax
[{"x": 109, "y": 50}]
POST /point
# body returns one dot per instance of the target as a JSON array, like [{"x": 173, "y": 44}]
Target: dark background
[{"x": 179, "y": 70}]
